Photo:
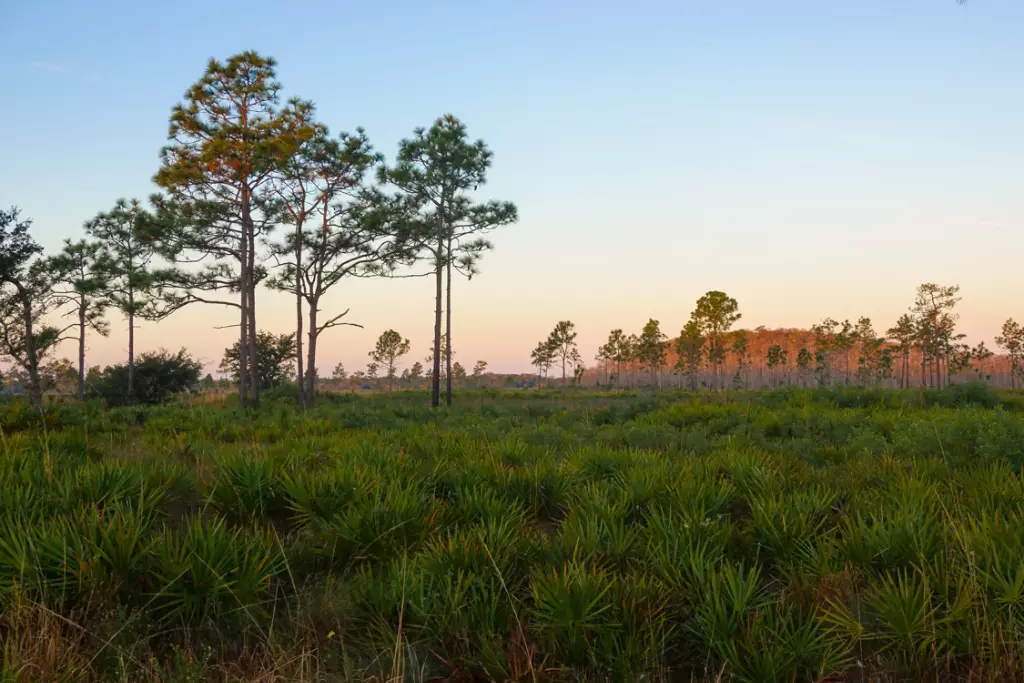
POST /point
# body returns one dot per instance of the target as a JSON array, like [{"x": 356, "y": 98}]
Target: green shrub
[{"x": 159, "y": 376}]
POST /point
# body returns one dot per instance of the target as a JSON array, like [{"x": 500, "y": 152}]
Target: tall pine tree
[
  {"x": 227, "y": 140},
  {"x": 434, "y": 172}
]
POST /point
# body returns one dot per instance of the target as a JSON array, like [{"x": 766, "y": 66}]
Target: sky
[{"x": 809, "y": 158}]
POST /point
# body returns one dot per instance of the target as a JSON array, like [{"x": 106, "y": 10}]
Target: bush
[{"x": 158, "y": 377}]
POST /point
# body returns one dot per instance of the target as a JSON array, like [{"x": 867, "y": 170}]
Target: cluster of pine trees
[{"x": 255, "y": 191}]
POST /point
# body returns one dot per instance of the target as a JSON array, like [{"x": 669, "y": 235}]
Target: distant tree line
[{"x": 923, "y": 348}]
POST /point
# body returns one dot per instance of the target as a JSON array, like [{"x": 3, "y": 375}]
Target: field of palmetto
[{"x": 783, "y": 536}]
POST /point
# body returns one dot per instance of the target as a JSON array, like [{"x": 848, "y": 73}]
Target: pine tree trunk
[
  {"x": 253, "y": 357},
  {"x": 131, "y": 347},
  {"x": 448, "y": 325},
  {"x": 298, "y": 315},
  {"x": 314, "y": 336},
  {"x": 243, "y": 326},
  {"x": 81, "y": 348},
  {"x": 435, "y": 380}
]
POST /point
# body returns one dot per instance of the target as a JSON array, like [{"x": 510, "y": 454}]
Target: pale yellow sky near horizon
[{"x": 500, "y": 322}]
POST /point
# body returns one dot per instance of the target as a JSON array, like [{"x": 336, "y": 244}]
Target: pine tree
[
  {"x": 616, "y": 351},
  {"x": 542, "y": 357},
  {"x": 650, "y": 349},
  {"x": 690, "y": 351},
  {"x": 415, "y": 372},
  {"x": 870, "y": 358},
  {"x": 803, "y": 364},
  {"x": 562, "y": 344},
  {"x": 936, "y": 329},
  {"x": 776, "y": 357},
  {"x": 340, "y": 229},
  {"x": 389, "y": 348},
  {"x": 740, "y": 347},
  {"x": 81, "y": 281},
  {"x": 227, "y": 141},
  {"x": 125, "y": 235},
  {"x": 435, "y": 170},
  {"x": 904, "y": 333},
  {"x": 715, "y": 315},
  {"x": 479, "y": 368},
  {"x": 1012, "y": 341}
]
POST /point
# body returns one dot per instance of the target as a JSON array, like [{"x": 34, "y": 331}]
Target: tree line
[
  {"x": 255, "y": 191},
  {"x": 923, "y": 347}
]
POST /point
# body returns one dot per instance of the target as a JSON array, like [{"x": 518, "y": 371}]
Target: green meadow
[{"x": 790, "y": 535}]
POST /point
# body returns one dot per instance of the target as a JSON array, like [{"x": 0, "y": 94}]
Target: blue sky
[{"x": 812, "y": 158}]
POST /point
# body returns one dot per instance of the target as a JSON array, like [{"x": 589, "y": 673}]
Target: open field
[{"x": 789, "y": 535}]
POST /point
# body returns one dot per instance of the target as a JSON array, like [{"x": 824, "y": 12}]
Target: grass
[{"x": 535, "y": 536}]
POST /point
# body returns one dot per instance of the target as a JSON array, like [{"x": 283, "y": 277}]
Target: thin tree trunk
[
  {"x": 314, "y": 336},
  {"x": 131, "y": 347},
  {"x": 253, "y": 357},
  {"x": 435, "y": 380},
  {"x": 243, "y": 326},
  {"x": 298, "y": 315},
  {"x": 81, "y": 348},
  {"x": 448, "y": 325}
]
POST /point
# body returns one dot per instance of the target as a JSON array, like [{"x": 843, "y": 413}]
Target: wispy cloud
[
  {"x": 991, "y": 224},
  {"x": 53, "y": 68},
  {"x": 48, "y": 67}
]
